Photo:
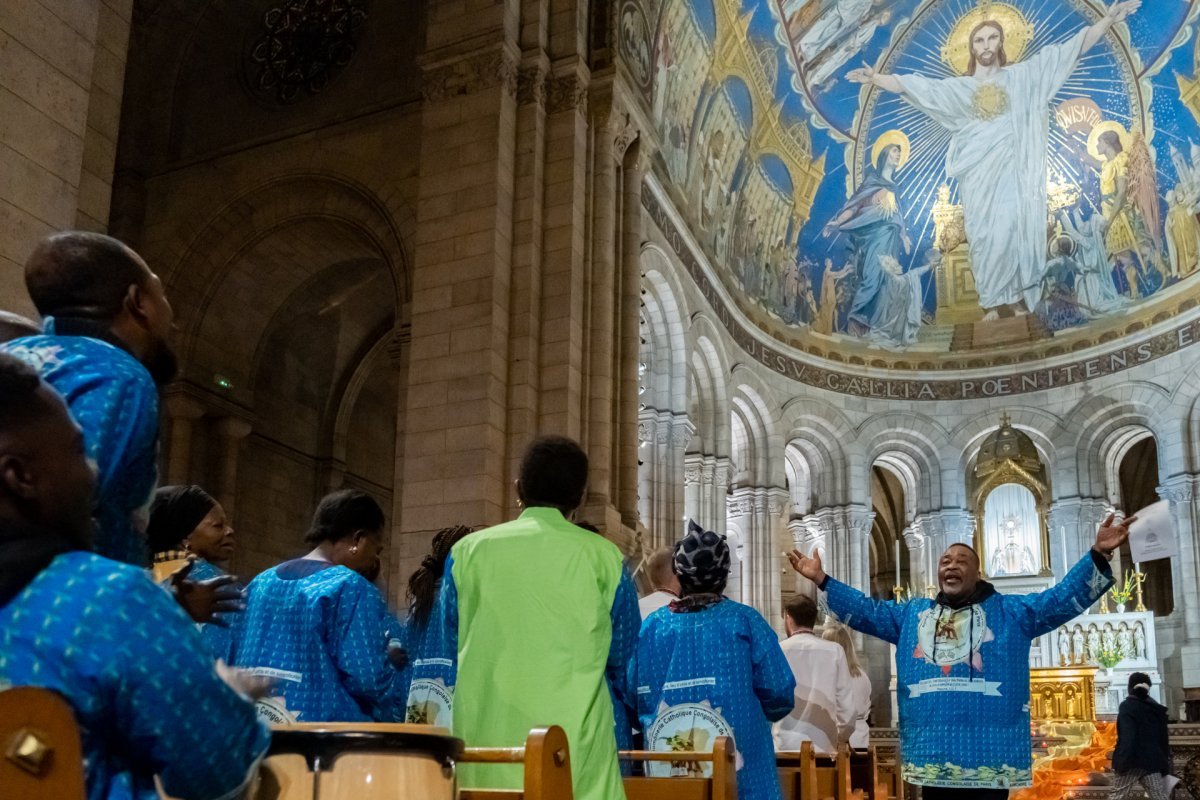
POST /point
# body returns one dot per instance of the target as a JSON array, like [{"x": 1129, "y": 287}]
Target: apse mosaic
[{"x": 890, "y": 172}]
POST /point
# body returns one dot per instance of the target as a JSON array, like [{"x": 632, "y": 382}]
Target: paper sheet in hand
[{"x": 1153, "y": 534}]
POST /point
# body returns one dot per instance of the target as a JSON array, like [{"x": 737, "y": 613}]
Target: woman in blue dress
[
  {"x": 707, "y": 666},
  {"x": 320, "y": 628},
  {"x": 188, "y": 525}
]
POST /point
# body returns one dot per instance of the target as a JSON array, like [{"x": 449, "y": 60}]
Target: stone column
[
  {"x": 720, "y": 489},
  {"x": 1073, "y": 522},
  {"x": 1183, "y": 492},
  {"x": 693, "y": 466},
  {"x": 759, "y": 512},
  {"x": 230, "y": 433},
  {"x": 919, "y": 575},
  {"x": 182, "y": 413}
]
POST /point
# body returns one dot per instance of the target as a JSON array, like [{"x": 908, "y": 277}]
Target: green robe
[{"x": 534, "y": 598}]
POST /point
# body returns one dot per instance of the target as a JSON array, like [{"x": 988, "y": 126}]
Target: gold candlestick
[
  {"x": 1104, "y": 603},
  {"x": 931, "y": 592},
  {"x": 898, "y": 593},
  {"x": 1139, "y": 578}
]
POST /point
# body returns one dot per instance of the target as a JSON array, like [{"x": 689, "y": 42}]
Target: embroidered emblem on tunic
[{"x": 989, "y": 101}]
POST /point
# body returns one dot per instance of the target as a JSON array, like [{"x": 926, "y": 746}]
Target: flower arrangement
[
  {"x": 1124, "y": 594},
  {"x": 1110, "y": 657}
]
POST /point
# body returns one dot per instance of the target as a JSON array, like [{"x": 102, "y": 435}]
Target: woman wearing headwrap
[
  {"x": 707, "y": 666},
  {"x": 186, "y": 523},
  {"x": 429, "y": 678},
  {"x": 1143, "y": 752}
]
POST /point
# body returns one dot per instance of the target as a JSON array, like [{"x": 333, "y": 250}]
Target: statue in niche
[
  {"x": 1110, "y": 639},
  {"x": 1077, "y": 644},
  {"x": 1093, "y": 643},
  {"x": 1139, "y": 641},
  {"x": 1125, "y": 641}
]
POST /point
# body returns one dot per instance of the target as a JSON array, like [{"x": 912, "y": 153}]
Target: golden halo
[
  {"x": 1093, "y": 142},
  {"x": 956, "y": 52},
  {"x": 886, "y": 138}
]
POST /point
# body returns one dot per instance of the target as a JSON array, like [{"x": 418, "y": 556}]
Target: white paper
[{"x": 1152, "y": 535}]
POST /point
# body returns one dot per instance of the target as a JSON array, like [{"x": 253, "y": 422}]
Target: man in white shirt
[
  {"x": 823, "y": 713},
  {"x": 664, "y": 580}
]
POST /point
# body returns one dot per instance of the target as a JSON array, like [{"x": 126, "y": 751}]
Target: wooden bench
[
  {"x": 547, "y": 761},
  {"x": 721, "y": 786},
  {"x": 41, "y": 756},
  {"x": 809, "y": 775}
]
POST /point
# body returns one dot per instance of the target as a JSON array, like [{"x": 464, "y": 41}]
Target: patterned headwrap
[{"x": 701, "y": 560}]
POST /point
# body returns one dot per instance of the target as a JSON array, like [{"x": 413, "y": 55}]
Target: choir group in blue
[{"x": 312, "y": 639}]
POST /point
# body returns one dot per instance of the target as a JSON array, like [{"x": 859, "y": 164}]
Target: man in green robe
[{"x": 546, "y": 620}]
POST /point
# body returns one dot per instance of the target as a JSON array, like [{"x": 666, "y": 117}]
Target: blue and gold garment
[
  {"x": 321, "y": 631},
  {"x": 626, "y": 624},
  {"x": 963, "y": 674},
  {"x": 115, "y": 401},
  {"x": 142, "y": 686},
  {"x": 714, "y": 672}
]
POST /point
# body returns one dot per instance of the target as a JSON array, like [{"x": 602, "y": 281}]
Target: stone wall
[{"x": 62, "y": 70}]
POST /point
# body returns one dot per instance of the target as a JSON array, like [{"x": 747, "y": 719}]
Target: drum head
[{"x": 321, "y": 743}]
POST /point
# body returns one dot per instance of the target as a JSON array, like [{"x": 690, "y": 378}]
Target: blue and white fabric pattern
[
  {"x": 141, "y": 684},
  {"x": 716, "y": 671},
  {"x": 115, "y": 401},
  {"x": 963, "y": 674},
  {"x": 321, "y": 631}
]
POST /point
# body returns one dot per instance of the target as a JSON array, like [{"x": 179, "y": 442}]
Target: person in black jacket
[{"x": 1143, "y": 754}]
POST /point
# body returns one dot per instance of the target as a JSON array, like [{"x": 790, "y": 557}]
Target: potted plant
[
  {"x": 1110, "y": 657},
  {"x": 1123, "y": 595}
]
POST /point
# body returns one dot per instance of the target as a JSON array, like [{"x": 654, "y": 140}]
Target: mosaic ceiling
[{"x": 925, "y": 180}]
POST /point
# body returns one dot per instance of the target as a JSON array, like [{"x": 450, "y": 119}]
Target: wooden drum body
[{"x": 358, "y": 761}]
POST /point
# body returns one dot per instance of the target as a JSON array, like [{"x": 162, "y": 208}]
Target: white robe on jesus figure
[{"x": 1000, "y": 130}]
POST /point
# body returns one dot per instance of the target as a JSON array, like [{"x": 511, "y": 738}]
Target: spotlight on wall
[{"x": 222, "y": 382}]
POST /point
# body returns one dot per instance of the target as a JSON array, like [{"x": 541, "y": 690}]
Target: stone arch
[
  {"x": 1097, "y": 425},
  {"x": 757, "y": 444},
  {"x": 821, "y": 435},
  {"x": 1040, "y": 425},
  {"x": 915, "y": 448},
  {"x": 665, "y": 344}
]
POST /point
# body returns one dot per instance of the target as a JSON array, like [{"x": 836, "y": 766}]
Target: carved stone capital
[
  {"x": 531, "y": 85},
  {"x": 566, "y": 93},
  {"x": 645, "y": 431},
  {"x": 470, "y": 74},
  {"x": 1179, "y": 489},
  {"x": 691, "y": 474}
]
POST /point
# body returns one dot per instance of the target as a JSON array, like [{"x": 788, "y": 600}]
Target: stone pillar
[
  {"x": 920, "y": 574},
  {"x": 182, "y": 413},
  {"x": 761, "y": 512},
  {"x": 693, "y": 466},
  {"x": 1073, "y": 522},
  {"x": 1183, "y": 492},
  {"x": 230, "y": 433},
  {"x": 720, "y": 489},
  {"x": 455, "y": 466}
]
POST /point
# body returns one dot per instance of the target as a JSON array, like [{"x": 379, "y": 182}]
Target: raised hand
[
  {"x": 204, "y": 600},
  {"x": 808, "y": 566},
  {"x": 1119, "y": 11},
  {"x": 863, "y": 74},
  {"x": 1111, "y": 536}
]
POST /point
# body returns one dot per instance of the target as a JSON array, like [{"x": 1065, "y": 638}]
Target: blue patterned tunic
[
  {"x": 215, "y": 637},
  {"x": 114, "y": 400},
  {"x": 131, "y": 664},
  {"x": 322, "y": 632},
  {"x": 719, "y": 671},
  {"x": 963, "y": 675}
]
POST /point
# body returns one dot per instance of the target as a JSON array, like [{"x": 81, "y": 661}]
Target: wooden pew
[
  {"x": 41, "y": 756},
  {"x": 809, "y": 775},
  {"x": 547, "y": 761},
  {"x": 864, "y": 774},
  {"x": 721, "y": 786}
]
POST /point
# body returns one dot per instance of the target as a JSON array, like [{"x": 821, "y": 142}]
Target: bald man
[{"x": 962, "y": 664}]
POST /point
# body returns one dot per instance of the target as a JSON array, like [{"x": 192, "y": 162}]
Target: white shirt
[
  {"x": 824, "y": 711},
  {"x": 654, "y": 601},
  {"x": 860, "y": 704}
]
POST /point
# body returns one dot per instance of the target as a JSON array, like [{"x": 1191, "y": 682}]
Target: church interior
[{"x": 767, "y": 285}]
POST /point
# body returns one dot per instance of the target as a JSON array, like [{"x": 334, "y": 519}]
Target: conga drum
[{"x": 358, "y": 761}]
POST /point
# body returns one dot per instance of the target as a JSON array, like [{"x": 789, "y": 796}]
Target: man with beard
[
  {"x": 962, "y": 663},
  {"x": 103, "y": 347}
]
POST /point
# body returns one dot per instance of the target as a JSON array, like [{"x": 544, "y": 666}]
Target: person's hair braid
[{"x": 422, "y": 584}]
